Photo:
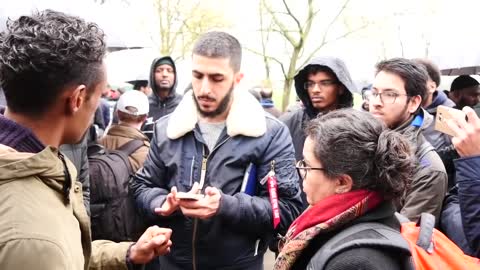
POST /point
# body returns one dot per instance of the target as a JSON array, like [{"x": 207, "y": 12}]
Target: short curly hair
[
  {"x": 43, "y": 53},
  {"x": 217, "y": 44},
  {"x": 352, "y": 142}
]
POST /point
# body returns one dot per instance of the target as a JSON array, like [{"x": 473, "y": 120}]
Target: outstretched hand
[{"x": 155, "y": 241}]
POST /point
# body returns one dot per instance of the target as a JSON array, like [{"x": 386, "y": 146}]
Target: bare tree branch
[
  {"x": 344, "y": 6},
  {"x": 289, "y": 12},
  {"x": 270, "y": 58},
  {"x": 280, "y": 25},
  {"x": 346, "y": 34}
]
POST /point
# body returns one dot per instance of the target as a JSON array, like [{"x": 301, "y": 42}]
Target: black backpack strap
[
  {"x": 427, "y": 224},
  {"x": 130, "y": 147},
  {"x": 369, "y": 234}
]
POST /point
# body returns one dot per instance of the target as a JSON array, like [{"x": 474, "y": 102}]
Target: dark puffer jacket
[{"x": 468, "y": 182}]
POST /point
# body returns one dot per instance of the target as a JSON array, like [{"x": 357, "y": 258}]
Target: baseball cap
[{"x": 133, "y": 102}]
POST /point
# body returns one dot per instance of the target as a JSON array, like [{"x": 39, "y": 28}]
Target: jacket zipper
[
  {"x": 195, "y": 221},
  {"x": 203, "y": 174}
]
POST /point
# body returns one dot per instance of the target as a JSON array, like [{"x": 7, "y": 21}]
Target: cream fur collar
[{"x": 246, "y": 116}]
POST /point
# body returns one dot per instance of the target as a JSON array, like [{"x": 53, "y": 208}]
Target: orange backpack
[
  {"x": 431, "y": 249},
  {"x": 418, "y": 246}
]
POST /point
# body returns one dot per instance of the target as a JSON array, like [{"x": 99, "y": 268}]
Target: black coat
[
  {"x": 355, "y": 258},
  {"x": 238, "y": 235}
]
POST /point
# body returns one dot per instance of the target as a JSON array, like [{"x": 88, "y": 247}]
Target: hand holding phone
[
  {"x": 188, "y": 196},
  {"x": 444, "y": 114},
  {"x": 467, "y": 139}
]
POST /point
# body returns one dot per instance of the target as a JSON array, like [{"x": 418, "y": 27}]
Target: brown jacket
[
  {"x": 119, "y": 135},
  {"x": 429, "y": 184},
  {"x": 38, "y": 229}
]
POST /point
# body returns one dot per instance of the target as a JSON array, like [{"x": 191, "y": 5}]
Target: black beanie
[
  {"x": 463, "y": 81},
  {"x": 164, "y": 61}
]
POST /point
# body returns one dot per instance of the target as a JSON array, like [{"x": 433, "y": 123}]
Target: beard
[{"x": 222, "y": 106}]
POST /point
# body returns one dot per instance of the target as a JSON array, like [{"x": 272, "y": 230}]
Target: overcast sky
[{"x": 451, "y": 26}]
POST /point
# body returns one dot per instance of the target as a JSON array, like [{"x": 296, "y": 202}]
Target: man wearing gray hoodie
[{"x": 323, "y": 85}]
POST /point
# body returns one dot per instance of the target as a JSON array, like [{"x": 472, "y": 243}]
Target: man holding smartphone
[
  {"x": 205, "y": 147},
  {"x": 397, "y": 92},
  {"x": 467, "y": 144}
]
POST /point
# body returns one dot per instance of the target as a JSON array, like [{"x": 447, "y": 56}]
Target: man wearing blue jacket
[
  {"x": 206, "y": 146},
  {"x": 467, "y": 144}
]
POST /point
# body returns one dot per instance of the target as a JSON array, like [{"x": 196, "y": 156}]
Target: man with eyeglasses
[
  {"x": 323, "y": 85},
  {"x": 398, "y": 89}
]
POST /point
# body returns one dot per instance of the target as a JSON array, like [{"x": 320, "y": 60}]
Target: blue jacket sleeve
[
  {"x": 245, "y": 212},
  {"x": 468, "y": 182}
]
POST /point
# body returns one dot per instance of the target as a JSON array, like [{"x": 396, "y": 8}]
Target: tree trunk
[{"x": 287, "y": 86}]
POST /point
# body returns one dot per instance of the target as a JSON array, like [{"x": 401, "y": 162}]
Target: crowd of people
[{"x": 213, "y": 178}]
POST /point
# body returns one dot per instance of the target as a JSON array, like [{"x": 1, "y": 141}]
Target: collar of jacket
[
  {"x": 126, "y": 131},
  {"x": 157, "y": 100},
  {"x": 418, "y": 122},
  {"x": 246, "y": 116},
  {"x": 267, "y": 103},
  {"x": 46, "y": 165}
]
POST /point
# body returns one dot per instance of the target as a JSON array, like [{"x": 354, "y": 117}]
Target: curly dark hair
[
  {"x": 43, "y": 53},
  {"x": 352, "y": 142},
  {"x": 432, "y": 70}
]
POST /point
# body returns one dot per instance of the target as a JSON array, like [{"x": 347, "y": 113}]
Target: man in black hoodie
[
  {"x": 323, "y": 85},
  {"x": 164, "y": 99}
]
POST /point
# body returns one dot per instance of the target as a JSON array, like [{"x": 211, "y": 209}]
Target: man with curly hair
[{"x": 52, "y": 72}]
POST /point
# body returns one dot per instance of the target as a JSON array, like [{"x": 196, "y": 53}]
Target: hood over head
[
  {"x": 338, "y": 67},
  {"x": 155, "y": 63}
]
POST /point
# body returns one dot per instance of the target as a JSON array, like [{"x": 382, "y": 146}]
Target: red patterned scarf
[{"x": 329, "y": 214}]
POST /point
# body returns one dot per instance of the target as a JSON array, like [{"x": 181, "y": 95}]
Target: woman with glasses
[{"x": 353, "y": 169}]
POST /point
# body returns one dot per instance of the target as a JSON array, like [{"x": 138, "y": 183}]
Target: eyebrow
[
  {"x": 207, "y": 74},
  {"x": 386, "y": 90}
]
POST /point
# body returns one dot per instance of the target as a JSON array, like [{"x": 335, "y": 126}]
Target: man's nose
[
  {"x": 375, "y": 100},
  {"x": 316, "y": 87},
  {"x": 205, "y": 87}
]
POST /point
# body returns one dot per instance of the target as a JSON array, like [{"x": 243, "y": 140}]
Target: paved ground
[{"x": 268, "y": 260}]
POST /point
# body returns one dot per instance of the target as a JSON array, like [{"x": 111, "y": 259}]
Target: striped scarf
[{"x": 329, "y": 214}]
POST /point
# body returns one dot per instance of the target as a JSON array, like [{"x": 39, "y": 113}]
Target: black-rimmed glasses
[
  {"x": 385, "y": 98},
  {"x": 302, "y": 169}
]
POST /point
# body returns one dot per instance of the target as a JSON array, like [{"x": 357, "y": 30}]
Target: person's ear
[
  {"x": 76, "y": 98},
  {"x": 344, "y": 184},
  {"x": 414, "y": 103},
  {"x": 238, "y": 77},
  {"x": 431, "y": 86}
]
